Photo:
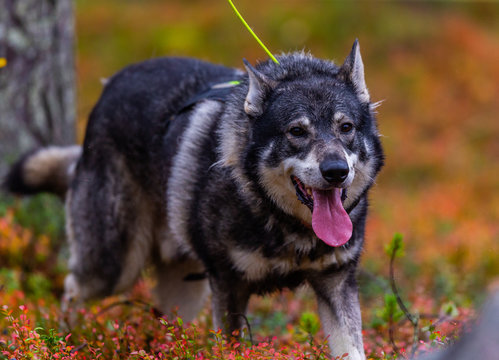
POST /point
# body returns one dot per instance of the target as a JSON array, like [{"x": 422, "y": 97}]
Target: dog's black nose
[{"x": 334, "y": 171}]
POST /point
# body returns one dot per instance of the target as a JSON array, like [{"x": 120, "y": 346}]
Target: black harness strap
[{"x": 217, "y": 92}]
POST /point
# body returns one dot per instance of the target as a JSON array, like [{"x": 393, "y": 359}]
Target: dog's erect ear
[
  {"x": 259, "y": 86},
  {"x": 353, "y": 70}
]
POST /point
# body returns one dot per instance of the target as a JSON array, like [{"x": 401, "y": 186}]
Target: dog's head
[{"x": 312, "y": 142}]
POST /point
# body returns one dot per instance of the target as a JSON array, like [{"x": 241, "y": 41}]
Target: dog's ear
[
  {"x": 353, "y": 70},
  {"x": 259, "y": 87}
]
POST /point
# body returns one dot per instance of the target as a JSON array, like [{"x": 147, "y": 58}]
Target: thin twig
[
  {"x": 79, "y": 347},
  {"x": 391, "y": 333},
  {"x": 134, "y": 303},
  {"x": 413, "y": 319},
  {"x": 426, "y": 316},
  {"x": 415, "y": 338},
  {"x": 393, "y": 285}
]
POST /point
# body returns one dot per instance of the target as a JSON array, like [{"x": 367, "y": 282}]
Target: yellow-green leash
[{"x": 252, "y": 32}]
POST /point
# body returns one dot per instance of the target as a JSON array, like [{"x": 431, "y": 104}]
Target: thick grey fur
[{"x": 207, "y": 190}]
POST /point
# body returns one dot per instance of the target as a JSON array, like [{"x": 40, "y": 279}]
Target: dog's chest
[{"x": 295, "y": 257}]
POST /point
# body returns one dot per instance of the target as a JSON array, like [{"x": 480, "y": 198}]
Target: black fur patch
[{"x": 14, "y": 180}]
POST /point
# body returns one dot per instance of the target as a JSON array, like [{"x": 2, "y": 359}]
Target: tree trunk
[{"x": 37, "y": 93}]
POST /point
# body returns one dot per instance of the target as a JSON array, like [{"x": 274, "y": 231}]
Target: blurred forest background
[{"x": 435, "y": 66}]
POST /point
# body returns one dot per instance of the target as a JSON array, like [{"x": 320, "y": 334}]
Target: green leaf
[
  {"x": 391, "y": 309},
  {"x": 309, "y": 322},
  {"x": 396, "y": 246},
  {"x": 449, "y": 309}
]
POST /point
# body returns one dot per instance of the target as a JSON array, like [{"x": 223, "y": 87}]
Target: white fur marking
[
  {"x": 352, "y": 161},
  {"x": 367, "y": 146},
  {"x": 339, "y": 340},
  {"x": 183, "y": 179},
  {"x": 49, "y": 162},
  {"x": 338, "y": 116},
  {"x": 255, "y": 266},
  {"x": 252, "y": 264},
  {"x": 303, "y": 121},
  {"x": 277, "y": 182},
  {"x": 363, "y": 177},
  {"x": 173, "y": 292}
]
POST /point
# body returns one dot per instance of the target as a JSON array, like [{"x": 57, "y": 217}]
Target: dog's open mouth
[
  {"x": 330, "y": 220},
  {"x": 303, "y": 193}
]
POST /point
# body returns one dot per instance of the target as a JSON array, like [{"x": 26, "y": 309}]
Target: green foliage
[
  {"x": 134, "y": 331},
  {"x": 6, "y": 202},
  {"x": 390, "y": 312},
  {"x": 50, "y": 338},
  {"x": 309, "y": 323},
  {"x": 21, "y": 341},
  {"x": 449, "y": 309},
  {"x": 9, "y": 280},
  {"x": 29, "y": 258},
  {"x": 43, "y": 214},
  {"x": 274, "y": 322},
  {"x": 396, "y": 246},
  {"x": 38, "y": 285}
]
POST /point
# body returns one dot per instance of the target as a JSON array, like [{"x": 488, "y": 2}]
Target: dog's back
[{"x": 135, "y": 111}]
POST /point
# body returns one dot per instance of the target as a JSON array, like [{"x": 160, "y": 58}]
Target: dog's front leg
[
  {"x": 339, "y": 310},
  {"x": 229, "y": 302}
]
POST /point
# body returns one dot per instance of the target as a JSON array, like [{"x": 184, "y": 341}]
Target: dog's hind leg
[
  {"x": 339, "y": 310},
  {"x": 109, "y": 227},
  {"x": 181, "y": 288}
]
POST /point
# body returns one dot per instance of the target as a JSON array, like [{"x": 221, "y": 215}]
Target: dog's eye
[
  {"x": 297, "y": 131},
  {"x": 345, "y": 128}
]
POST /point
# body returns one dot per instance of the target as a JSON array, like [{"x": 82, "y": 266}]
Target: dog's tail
[{"x": 48, "y": 169}]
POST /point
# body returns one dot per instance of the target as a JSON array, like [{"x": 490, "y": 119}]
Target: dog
[{"x": 228, "y": 182}]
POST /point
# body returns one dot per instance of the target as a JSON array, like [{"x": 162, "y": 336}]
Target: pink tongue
[{"x": 330, "y": 221}]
